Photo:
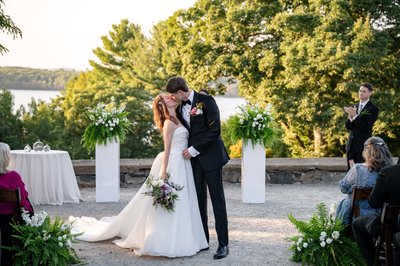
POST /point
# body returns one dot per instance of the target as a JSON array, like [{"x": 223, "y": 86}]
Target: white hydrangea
[
  {"x": 329, "y": 241},
  {"x": 335, "y": 235}
]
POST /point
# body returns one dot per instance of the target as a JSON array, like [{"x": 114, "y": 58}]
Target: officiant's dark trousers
[{"x": 212, "y": 180}]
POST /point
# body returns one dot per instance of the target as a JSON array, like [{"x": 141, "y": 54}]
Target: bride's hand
[{"x": 164, "y": 176}]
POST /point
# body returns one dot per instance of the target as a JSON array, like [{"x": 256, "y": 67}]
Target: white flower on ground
[
  {"x": 335, "y": 235},
  {"x": 329, "y": 241},
  {"x": 305, "y": 244},
  {"x": 298, "y": 248},
  {"x": 323, "y": 233},
  {"x": 60, "y": 244},
  {"x": 332, "y": 209},
  {"x": 65, "y": 226},
  {"x": 300, "y": 240},
  {"x": 321, "y": 238},
  {"x": 59, "y": 238},
  {"x": 322, "y": 244}
]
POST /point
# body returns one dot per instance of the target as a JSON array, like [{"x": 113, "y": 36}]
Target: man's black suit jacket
[
  {"x": 387, "y": 187},
  {"x": 361, "y": 128},
  {"x": 205, "y": 133}
]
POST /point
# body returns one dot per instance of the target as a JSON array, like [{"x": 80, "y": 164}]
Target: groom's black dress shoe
[{"x": 222, "y": 252}]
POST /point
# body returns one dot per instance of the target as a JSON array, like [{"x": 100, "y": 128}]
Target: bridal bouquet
[
  {"x": 107, "y": 123},
  {"x": 164, "y": 193},
  {"x": 42, "y": 242},
  {"x": 252, "y": 123},
  {"x": 322, "y": 241}
]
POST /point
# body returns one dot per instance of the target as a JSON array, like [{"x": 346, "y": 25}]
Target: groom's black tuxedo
[
  {"x": 205, "y": 137},
  {"x": 205, "y": 133},
  {"x": 360, "y": 129}
]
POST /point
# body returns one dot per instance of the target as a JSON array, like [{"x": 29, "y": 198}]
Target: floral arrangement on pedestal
[
  {"x": 163, "y": 192},
  {"x": 251, "y": 123},
  {"x": 107, "y": 123},
  {"x": 322, "y": 241},
  {"x": 42, "y": 242}
]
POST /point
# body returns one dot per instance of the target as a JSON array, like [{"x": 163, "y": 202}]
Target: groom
[{"x": 199, "y": 113}]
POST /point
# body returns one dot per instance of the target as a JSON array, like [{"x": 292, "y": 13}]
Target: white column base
[
  {"x": 107, "y": 172},
  {"x": 253, "y": 173}
]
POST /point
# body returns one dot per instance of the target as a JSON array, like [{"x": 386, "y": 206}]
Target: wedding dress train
[{"x": 155, "y": 231}]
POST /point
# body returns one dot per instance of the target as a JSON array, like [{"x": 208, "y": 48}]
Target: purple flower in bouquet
[{"x": 164, "y": 193}]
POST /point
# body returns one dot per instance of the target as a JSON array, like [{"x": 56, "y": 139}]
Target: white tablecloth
[{"x": 48, "y": 176}]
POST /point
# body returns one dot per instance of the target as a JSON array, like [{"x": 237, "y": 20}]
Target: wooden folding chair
[
  {"x": 384, "y": 242},
  {"x": 13, "y": 197},
  {"x": 359, "y": 193}
]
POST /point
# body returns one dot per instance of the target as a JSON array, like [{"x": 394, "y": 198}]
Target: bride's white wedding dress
[{"x": 155, "y": 231}]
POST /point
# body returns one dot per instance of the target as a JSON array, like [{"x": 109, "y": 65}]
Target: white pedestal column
[
  {"x": 107, "y": 172},
  {"x": 253, "y": 173}
]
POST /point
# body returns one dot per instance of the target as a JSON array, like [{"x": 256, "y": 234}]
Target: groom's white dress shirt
[{"x": 186, "y": 115}]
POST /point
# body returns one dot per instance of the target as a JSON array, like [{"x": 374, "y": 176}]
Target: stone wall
[{"x": 278, "y": 170}]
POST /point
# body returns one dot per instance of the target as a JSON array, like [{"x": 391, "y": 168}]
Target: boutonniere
[
  {"x": 364, "y": 112},
  {"x": 197, "y": 110}
]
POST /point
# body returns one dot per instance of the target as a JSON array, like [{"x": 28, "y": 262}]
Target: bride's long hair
[{"x": 160, "y": 112}]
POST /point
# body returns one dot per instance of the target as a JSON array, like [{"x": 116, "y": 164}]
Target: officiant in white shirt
[{"x": 361, "y": 119}]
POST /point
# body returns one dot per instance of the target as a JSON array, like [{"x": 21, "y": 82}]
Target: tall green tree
[
  {"x": 328, "y": 49},
  {"x": 45, "y": 122},
  {"x": 10, "y": 125},
  {"x": 7, "y": 26},
  {"x": 116, "y": 73},
  {"x": 304, "y": 58}
]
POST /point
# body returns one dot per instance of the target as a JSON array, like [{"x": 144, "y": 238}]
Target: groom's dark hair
[{"x": 175, "y": 84}]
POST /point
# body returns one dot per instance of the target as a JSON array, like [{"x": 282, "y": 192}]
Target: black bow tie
[{"x": 186, "y": 102}]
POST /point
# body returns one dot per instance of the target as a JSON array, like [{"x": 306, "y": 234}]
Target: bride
[{"x": 142, "y": 227}]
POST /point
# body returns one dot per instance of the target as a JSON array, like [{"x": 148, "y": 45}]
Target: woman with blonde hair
[
  {"x": 377, "y": 156},
  {"x": 9, "y": 180},
  {"x": 141, "y": 226}
]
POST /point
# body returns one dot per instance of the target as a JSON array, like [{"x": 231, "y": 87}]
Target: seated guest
[
  {"x": 9, "y": 180},
  {"x": 377, "y": 156},
  {"x": 386, "y": 189}
]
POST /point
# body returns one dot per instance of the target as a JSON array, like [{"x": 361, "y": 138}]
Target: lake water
[{"x": 227, "y": 105}]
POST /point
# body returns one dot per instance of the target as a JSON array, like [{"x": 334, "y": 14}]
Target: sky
[{"x": 63, "y": 33}]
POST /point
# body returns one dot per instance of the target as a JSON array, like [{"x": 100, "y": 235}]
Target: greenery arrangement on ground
[
  {"x": 41, "y": 241},
  {"x": 322, "y": 241}
]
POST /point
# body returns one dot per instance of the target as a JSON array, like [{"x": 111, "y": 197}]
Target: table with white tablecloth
[{"x": 48, "y": 176}]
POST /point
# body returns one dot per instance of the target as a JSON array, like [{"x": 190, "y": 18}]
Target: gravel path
[{"x": 257, "y": 232}]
